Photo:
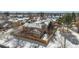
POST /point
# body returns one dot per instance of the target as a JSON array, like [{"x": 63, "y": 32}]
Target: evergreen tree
[
  {"x": 73, "y": 16},
  {"x": 68, "y": 19}
]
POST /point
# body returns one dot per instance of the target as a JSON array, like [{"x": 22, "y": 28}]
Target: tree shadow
[{"x": 70, "y": 37}]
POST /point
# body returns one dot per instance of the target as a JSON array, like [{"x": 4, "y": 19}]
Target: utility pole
[{"x": 64, "y": 42}]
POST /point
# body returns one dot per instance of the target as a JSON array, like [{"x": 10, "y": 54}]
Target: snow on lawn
[
  {"x": 72, "y": 39},
  {"x": 69, "y": 44},
  {"x": 57, "y": 41},
  {"x": 54, "y": 44},
  {"x": 75, "y": 34},
  {"x": 11, "y": 41}
]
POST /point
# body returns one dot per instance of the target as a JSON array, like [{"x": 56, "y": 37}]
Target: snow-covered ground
[
  {"x": 71, "y": 38},
  {"x": 57, "y": 41},
  {"x": 60, "y": 40},
  {"x": 11, "y": 41},
  {"x": 71, "y": 45}
]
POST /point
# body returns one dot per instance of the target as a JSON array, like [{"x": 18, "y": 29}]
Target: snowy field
[
  {"x": 60, "y": 40},
  {"x": 11, "y": 41}
]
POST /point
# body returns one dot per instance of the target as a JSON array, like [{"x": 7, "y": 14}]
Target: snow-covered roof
[
  {"x": 13, "y": 20},
  {"x": 2, "y": 21},
  {"x": 33, "y": 25},
  {"x": 5, "y": 25}
]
